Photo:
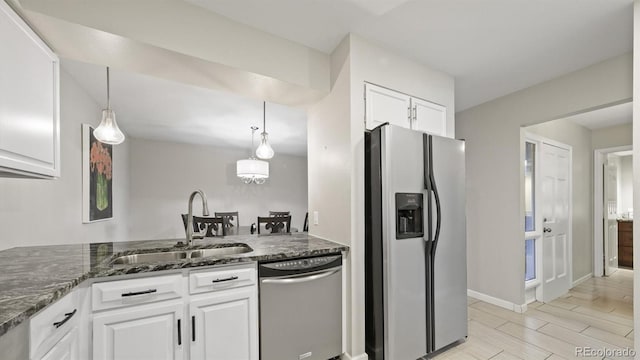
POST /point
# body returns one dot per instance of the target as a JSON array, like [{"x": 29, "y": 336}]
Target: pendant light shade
[
  {"x": 252, "y": 170},
  {"x": 264, "y": 151},
  {"x": 108, "y": 131}
]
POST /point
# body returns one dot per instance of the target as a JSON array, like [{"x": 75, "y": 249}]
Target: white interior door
[{"x": 556, "y": 216}]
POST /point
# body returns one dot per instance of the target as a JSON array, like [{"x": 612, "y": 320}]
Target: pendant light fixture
[
  {"x": 108, "y": 131},
  {"x": 252, "y": 170},
  {"x": 264, "y": 151}
]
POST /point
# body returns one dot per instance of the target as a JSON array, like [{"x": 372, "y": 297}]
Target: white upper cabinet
[
  {"x": 29, "y": 101},
  {"x": 385, "y": 105},
  {"x": 429, "y": 117}
]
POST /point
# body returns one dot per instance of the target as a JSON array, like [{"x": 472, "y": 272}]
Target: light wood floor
[{"x": 597, "y": 313}]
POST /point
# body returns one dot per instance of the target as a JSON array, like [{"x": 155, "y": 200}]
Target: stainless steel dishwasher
[{"x": 301, "y": 308}]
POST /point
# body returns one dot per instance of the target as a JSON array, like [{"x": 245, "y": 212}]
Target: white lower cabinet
[
  {"x": 53, "y": 332},
  {"x": 65, "y": 349},
  {"x": 225, "y": 325},
  {"x": 156, "y": 318},
  {"x": 147, "y": 332}
]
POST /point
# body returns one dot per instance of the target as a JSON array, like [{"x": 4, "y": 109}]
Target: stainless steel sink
[
  {"x": 230, "y": 250},
  {"x": 155, "y": 257},
  {"x": 150, "y": 257}
]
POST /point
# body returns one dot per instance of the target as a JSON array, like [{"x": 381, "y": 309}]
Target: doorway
[
  {"x": 613, "y": 210},
  {"x": 548, "y": 218}
]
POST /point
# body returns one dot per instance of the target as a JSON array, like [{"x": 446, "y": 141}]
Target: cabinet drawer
[
  {"x": 221, "y": 279},
  {"x": 625, "y": 226},
  {"x": 625, "y": 252},
  {"x": 625, "y": 238},
  {"x": 114, "y": 294},
  {"x": 51, "y": 324}
]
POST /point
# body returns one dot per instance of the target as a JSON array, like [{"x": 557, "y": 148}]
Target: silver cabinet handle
[
  {"x": 144, "y": 292},
  {"x": 231, "y": 278},
  {"x": 297, "y": 280}
]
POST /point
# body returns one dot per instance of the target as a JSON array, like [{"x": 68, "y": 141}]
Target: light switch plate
[{"x": 315, "y": 218}]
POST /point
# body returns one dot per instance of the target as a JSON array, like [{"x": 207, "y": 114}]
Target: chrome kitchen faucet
[{"x": 205, "y": 212}]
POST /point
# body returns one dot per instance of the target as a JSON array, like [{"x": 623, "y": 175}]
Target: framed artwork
[{"x": 97, "y": 178}]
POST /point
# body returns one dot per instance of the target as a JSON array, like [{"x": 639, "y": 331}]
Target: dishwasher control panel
[
  {"x": 302, "y": 264},
  {"x": 293, "y": 267}
]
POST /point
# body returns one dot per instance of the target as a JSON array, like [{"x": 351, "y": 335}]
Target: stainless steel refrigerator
[{"x": 415, "y": 252}]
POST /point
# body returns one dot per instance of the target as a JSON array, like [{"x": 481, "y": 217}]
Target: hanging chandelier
[
  {"x": 108, "y": 131},
  {"x": 252, "y": 170}
]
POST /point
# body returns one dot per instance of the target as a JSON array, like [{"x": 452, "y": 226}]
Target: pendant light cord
[
  {"x": 264, "y": 116},
  {"x": 253, "y": 132},
  {"x": 108, "y": 97}
]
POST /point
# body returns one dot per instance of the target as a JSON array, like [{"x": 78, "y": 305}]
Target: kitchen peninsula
[{"x": 32, "y": 278}]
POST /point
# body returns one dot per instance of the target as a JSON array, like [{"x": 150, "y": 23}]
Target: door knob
[{"x": 547, "y": 230}]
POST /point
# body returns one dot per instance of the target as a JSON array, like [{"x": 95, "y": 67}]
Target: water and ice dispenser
[{"x": 409, "y": 218}]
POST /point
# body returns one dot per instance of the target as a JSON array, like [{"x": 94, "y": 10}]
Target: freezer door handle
[
  {"x": 438, "y": 214},
  {"x": 426, "y": 151}
]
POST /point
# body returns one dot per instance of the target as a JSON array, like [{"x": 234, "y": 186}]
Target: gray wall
[
  {"x": 613, "y": 136},
  {"x": 163, "y": 174},
  {"x": 579, "y": 138},
  {"x": 45, "y": 212},
  {"x": 495, "y": 204}
]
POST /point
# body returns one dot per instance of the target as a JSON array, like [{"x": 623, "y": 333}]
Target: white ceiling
[
  {"x": 153, "y": 108},
  {"x": 491, "y": 47},
  {"x": 605, "y": 117}
]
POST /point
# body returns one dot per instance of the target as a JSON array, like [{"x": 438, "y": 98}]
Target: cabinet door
[
  {"x": 226, "y": 325},
  {"x": 65, "y": 349},
  {"x": 50, "y": 325},
  {"x": 429, "y": 117},
  {"x": 145, "y": 332},
  {"x": 384, "y": 105},
  {"x": 29, "y": 100}
]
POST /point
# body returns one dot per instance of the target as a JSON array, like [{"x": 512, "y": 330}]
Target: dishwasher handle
[{"x": 301, "y": 279}]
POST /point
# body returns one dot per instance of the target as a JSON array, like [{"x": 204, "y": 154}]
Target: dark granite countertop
[{"x": 33, "y": 277}]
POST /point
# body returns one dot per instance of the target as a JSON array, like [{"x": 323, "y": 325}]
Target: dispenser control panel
[{"x": 409, "y": 215}]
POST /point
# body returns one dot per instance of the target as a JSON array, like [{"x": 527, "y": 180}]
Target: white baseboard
[
  {"x": 498, "y": 302},
  {"x": 582, "y": 279},
  {"x": 363, "y": 356}
]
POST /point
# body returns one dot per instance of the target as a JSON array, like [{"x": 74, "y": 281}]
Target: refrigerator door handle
[
  {"x": 438, "y": 214},
  {"x": 430, "y": 186},
  {"x": 426, "y": 150}
]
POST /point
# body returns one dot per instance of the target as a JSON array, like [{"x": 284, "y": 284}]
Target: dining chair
[
  {"x": 230, "y": 221},
  {"x": 212, "y": 225},
  {"x": 275, "y": 224}
]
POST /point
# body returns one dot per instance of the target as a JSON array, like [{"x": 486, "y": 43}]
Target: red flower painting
[{"x": 100, "y": 163}]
